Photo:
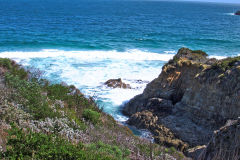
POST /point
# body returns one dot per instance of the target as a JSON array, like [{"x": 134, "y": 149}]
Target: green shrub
[
  {"x": 173, "y": 150},
  {"x": 144, "y": 148},
  {"x": 108, "y": 151},
  {"x": 29, "y": 94},
  {"x": 29, "y": 145},
  {"x": 6, "y": 63},
  {"x": 13, "y": 68},
  {"x": 166, "y": 150},
  {"x": 20, "y": 72},
  {"x": 91, "y": 115},
  {"x": 200, "y": 52},
  {"x": 226, "y": 63},
  {"x": 71, "y": 114},
  {"x": 57, "y": 91}
]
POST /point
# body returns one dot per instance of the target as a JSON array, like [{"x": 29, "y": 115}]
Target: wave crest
[{"x": 133, "y": 54}]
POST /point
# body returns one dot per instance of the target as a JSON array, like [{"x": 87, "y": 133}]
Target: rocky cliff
[
  {"x": 192, "y": 97},
  {"x": 225, "y": 143}
]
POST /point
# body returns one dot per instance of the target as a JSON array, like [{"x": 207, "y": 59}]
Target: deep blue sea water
[{"x": 86, "y": 42}]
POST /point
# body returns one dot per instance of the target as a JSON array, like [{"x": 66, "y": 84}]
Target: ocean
[{"x": 87, "y": 42}]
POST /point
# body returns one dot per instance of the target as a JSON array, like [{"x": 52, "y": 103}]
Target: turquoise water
[
  {"x": 118, "y": 25},
  {"x": 87, "y": 42}
]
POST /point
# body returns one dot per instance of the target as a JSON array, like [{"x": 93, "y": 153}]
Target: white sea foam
[
  {"x": 170, "y": 52},
  {"x": 218, "y": 57},
  {"x": 118, "y": 96},
  {"x": 133, "y": 54},
  {"x": 230, "y": 14},
  {"x": 88, "y": 70}
]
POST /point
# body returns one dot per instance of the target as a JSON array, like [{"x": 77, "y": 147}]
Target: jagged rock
[
  {"x": 225, "y": 143},
  {"x": 205, "y": 93},
  {"x": 163, "y": 135},
  {"x": 197, "y": 56},
  {"x": 185, "y": 129},
  {"x": 117, "y": 83},
  {"x": 237, "y": 13},
  {"x": 195, "y": 151},
  {"x": 211, "y": 61},
  {"x": 171, "y": 84}
]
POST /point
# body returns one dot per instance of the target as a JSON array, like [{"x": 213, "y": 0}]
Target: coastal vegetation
[
  {"x": 226, "y": 63},
  {"x": 42, "y": 120}
]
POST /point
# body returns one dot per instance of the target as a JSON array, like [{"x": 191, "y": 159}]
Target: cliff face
[
  {"x": 192, "y": 97},
  {"x": 225, "y": 143}
]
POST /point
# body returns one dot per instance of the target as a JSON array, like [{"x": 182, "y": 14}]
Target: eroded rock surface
[
  {"x": 162, "y": 135},
  {"x": 225, "y": 143},
  {"x": 192, "y": 97}
]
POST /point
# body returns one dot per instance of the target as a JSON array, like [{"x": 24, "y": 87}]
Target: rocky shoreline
[{"x": 192, "y": 97}]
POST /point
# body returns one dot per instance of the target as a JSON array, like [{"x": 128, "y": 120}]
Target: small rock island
[
  {"x": 237, "y": 13},
  {"x": 117, "y": 83}
]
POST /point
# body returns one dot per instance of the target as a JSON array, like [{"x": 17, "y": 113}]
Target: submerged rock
[
  {"x": 237, "y": 13},
  {"x": 117, "y": 83}
]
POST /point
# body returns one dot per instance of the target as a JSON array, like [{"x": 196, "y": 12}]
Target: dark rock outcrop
[
  {"x": 192, "y": 97},
  {"x": 159, "y": 105},
  {"x": 237, "y": 13},
  {"x": 117, "y": 83},
  {"x": 145, "y": 119},
  {"x": 225, "y": 143}
]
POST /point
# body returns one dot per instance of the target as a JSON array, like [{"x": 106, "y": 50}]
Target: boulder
[
  {"x": 237, "y": 13},
  {"x": 117, "y": 83}
]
